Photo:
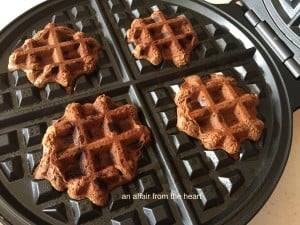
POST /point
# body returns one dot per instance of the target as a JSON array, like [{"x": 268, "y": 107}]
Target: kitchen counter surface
[{"x": 283, "y": 207}]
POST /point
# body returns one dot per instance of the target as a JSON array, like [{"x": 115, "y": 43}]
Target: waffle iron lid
[{"x": 278, "y": 22}]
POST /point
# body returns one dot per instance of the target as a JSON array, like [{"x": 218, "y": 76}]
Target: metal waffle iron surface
[{"x": 175, "y": 168}]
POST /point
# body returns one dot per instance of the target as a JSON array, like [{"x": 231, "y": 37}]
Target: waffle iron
[{"x": 257, "y": 43}]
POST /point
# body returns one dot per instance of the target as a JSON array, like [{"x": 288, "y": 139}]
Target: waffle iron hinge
[{"x": 285, "y": 55}]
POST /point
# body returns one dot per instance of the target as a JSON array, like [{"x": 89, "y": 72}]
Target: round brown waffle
[
  {"x": 218, "y": 112},
  {"x": 56, "y": 54},
  {"x": 92, "y": 149},
  {"x": 159, "y": 38}
]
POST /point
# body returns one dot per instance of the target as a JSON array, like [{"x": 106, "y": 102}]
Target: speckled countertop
[{"x": 283, "y": 207}]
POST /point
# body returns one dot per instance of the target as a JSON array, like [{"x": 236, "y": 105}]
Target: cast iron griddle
[{"x": 228, "y": 191}]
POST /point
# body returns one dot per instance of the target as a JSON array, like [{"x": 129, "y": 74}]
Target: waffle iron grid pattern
[{"x": 213, "y": 175}]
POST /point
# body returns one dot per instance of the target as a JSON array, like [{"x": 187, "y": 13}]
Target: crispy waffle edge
[
  {"x": 213, "y": 138},
  {"x": 98, "y": 187},
  {"x": 44, "y": 60}
]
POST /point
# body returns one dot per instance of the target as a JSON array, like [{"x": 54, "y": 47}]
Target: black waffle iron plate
[{"x": 175, "y": 167}]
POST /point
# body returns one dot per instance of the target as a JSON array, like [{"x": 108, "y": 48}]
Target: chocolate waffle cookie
[
  {"x": 218, "y": 112},
  {"x": 56, "y": 54},
  {"x": 92, "y": 149},
  {"x": 159, "y": 38}
]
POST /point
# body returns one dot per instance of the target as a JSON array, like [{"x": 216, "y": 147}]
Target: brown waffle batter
[
  {"x": 217, "y": 112},
  {"x": 159, "y": 38},
  {"x": 92, "y": 149},
  {"x": 56, "y": 54}
]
